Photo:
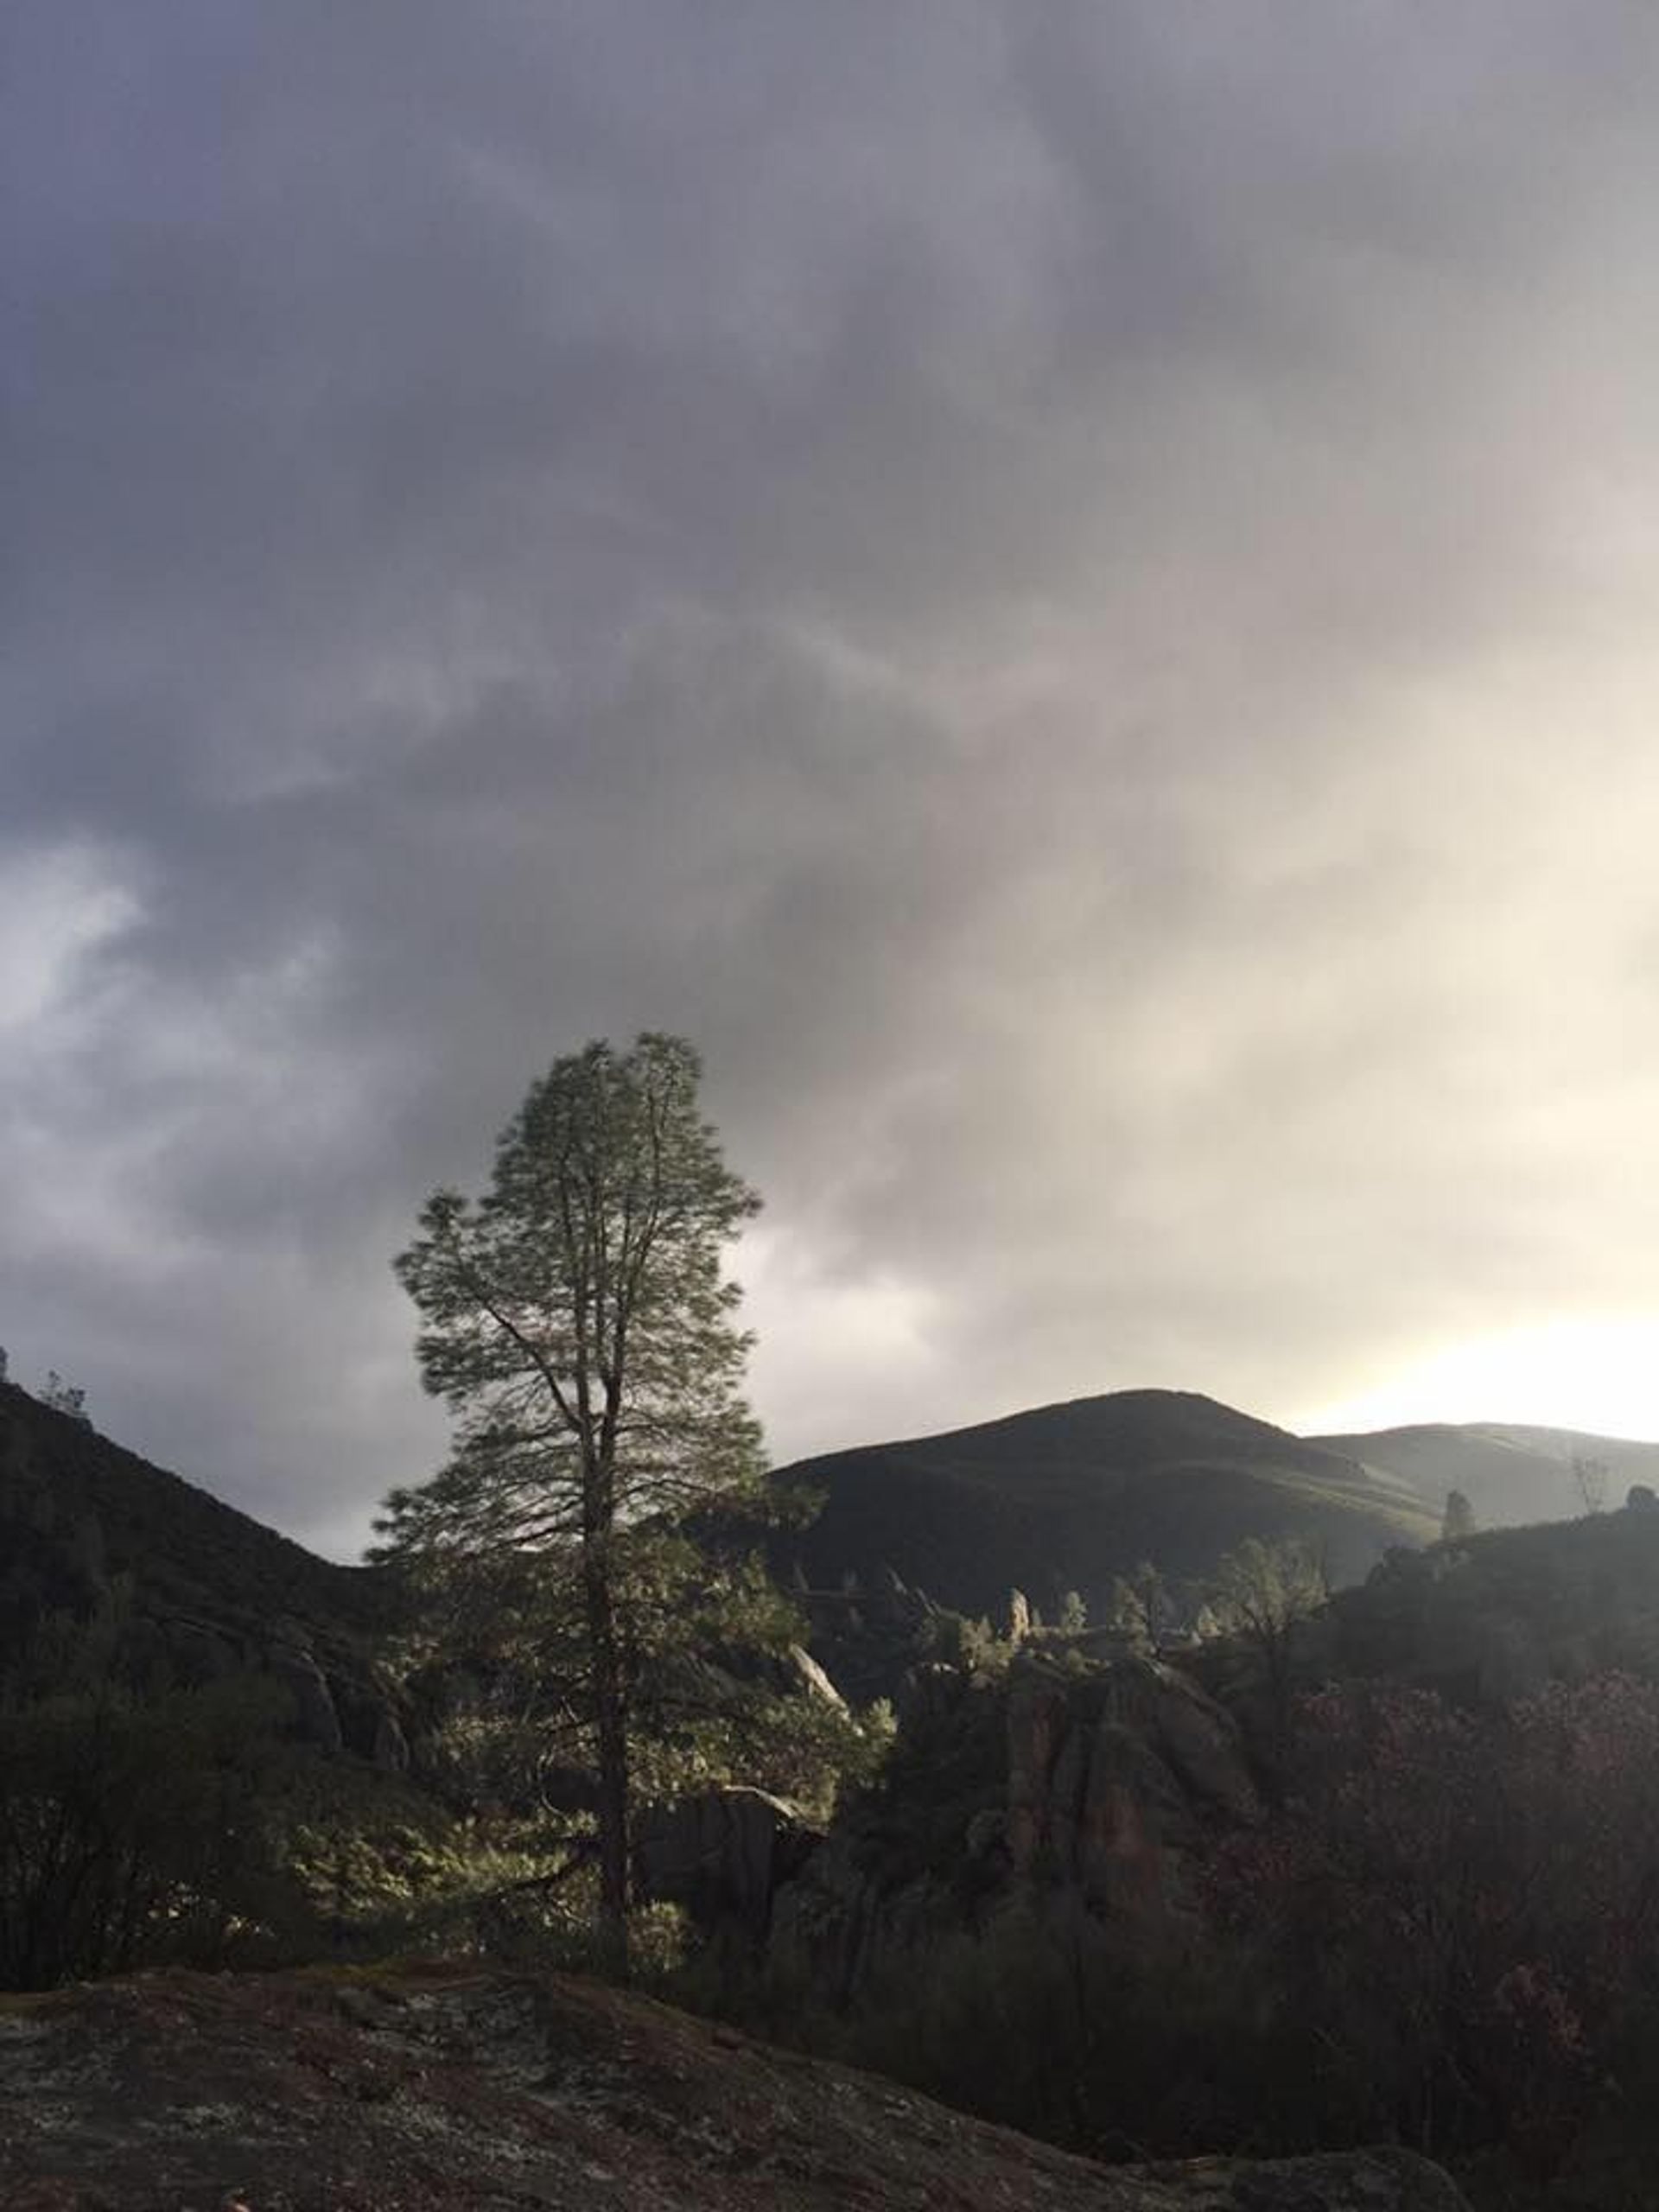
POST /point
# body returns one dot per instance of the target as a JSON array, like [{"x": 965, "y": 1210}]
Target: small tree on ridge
[{"x": 1457, "y": 1522}]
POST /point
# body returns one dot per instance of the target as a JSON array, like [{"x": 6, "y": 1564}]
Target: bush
[
  {"x": 129, "y": 1831},
  {"x": 1457, "y": 1914}
]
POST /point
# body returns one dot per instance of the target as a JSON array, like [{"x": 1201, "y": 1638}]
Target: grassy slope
[{"x": 1510, "y": 1473}]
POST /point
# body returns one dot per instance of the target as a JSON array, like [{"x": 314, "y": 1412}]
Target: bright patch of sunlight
[
  {"x": 851, "y": 1356},
  {"x": 1594, "y": 1372}
]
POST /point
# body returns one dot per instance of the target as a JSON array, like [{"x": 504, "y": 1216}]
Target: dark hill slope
[
  {"x": 1509, "y": 1473},
  {"x": 1505, "y": 1612},
  {"x": 1067, "y": 1497},
  {"x": 205, "y": 1588}
]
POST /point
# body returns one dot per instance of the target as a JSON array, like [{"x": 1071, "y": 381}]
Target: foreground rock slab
[{"x": 461, "y": 2092}]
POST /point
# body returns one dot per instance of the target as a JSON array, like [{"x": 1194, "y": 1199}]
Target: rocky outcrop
[
  {"x": 370, "y": 1723},
  {"x": 724, "y": 1854},
  {"x": 1104, "y": 1778},
  {"x": 290, "y": 1658},
  {"x": 842, "y": 1927},
  {"x": 1114, "y": 1777},
  {"x": 804, "y": 1674},
  {"x": 869, "y": 1634},
  {"x": 425, "y": 2092}
]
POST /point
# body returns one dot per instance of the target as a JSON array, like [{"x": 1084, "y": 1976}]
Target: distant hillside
[
  {"x": 1510, "y": 1474},
  {"x": 217, "y": 1593},
  {"x": 1507, "y": 1611},
  {"x": 1067, "y": 1497},
  {"x": 1062, "y": 1498}
]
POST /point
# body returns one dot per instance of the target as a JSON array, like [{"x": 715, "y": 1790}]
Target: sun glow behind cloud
[
  {"x": 1600, "y": 1373},
  {"x": 1066, "y": 591}
]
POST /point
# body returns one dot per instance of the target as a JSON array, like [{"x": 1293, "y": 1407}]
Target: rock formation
[
  {"x": 428, "y": 2092},
  {"x": 724, "y": 1854},
  {"x": 1113, "y": 1775},
  {"x": 1101, "y": 1777}
]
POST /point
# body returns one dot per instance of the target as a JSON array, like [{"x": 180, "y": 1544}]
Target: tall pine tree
[{"x": 577, "y": 1322}]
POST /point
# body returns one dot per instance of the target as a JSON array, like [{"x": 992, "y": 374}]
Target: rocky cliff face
[
  {"x": 724, "y": 1855},
  {"x": 415, "y": 2092},
  {"x": 1101, "y": 1777},
  {"x": 1114, "y": 1777}
]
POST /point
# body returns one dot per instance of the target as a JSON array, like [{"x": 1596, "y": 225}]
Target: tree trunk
[{"x": 610, "y": 1721}]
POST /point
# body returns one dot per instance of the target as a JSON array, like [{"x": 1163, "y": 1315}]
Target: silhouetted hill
[
  {"x": 1510, "y": 1473},
  {"x": 201, "y": 1588},
  {"x": 1066, "y": 1497}
]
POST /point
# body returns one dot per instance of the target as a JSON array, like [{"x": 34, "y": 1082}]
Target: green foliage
[
  {"x": 715, "y": 1693},
  {"x": 144, "y": 1821},
  {"x": 68, "y": 1398},
  {"x": 1073, "y": 1614},
  {"x": 971, "y": 1647},
  {"x": 1262, "y": 1590},
  {"x": 1260, "y": 1597},
  {"x": 117, "y": 1832},
  {"x": 1455, "y": 1915},
  {"x": 578, "y": 1324},
  {"x": 596, "y": 1632},
  {"x": 373, "y": 1865},
  {"x": 130, "y": 1823},
  {"x": 576, "y": 1319},
  {"x": 1142, "y": 1610}
]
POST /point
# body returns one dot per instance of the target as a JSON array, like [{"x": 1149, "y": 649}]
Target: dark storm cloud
[{"x": 1035, "y": 579}]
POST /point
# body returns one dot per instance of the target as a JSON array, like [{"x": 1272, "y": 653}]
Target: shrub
[{"x": 1458, "y": 1913}]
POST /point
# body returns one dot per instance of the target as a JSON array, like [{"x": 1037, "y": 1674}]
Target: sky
[{"x": 1068, "y": 591}]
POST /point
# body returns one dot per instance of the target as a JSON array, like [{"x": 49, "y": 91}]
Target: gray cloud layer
[{"x": 1068, "y": 590}]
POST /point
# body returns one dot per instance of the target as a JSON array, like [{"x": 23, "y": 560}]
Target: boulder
[
  {"x": 1196, "y": 1738},
  {"x": 810, "y": 1677},
  {"x": 723, "y": 1854}
]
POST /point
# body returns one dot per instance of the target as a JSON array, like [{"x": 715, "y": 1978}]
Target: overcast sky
[{"x": 1069, "y": 590}]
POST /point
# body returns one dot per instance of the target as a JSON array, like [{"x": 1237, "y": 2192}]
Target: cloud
[{"x": 1065, "y": 590}]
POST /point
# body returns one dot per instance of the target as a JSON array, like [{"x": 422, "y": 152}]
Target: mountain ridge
[
  {"x": 1511, "y": 1472},
  {"x": 1049, "y": 1498},
  {"x": 1070, "y": 1495}
]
